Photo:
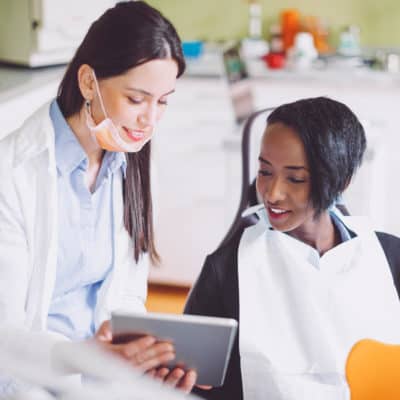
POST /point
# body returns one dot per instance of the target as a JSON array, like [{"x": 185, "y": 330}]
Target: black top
[{"x": 216, "y": 293}]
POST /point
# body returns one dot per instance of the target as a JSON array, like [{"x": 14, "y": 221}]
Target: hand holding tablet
[{"x": 201, "y": 343}]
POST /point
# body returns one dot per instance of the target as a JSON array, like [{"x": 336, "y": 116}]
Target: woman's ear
[{"x": 86, "y": 81}]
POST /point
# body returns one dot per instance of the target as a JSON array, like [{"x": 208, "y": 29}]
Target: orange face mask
[{"x": 106, "y": 134}]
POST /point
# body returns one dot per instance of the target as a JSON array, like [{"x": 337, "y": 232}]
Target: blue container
[{"x": 192, "y": 49}]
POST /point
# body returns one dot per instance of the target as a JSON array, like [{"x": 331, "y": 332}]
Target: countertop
[
  {"x": 336, "y": 69},
  {"x": 24, "y": 90},
  {"x": 16, "y": 81}
]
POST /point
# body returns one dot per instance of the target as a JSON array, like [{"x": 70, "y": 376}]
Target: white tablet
[{"x": 201, "y": 343}]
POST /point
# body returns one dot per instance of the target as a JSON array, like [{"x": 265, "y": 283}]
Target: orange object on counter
[
  {"x": 290, "y": 23},
  {"x": 319, "y": 31}
]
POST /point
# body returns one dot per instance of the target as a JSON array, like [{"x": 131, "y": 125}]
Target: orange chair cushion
[{"x": 373, "y": 371}]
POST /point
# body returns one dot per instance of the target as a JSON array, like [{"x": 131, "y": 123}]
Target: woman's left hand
[{"x": 178, "y": 377}]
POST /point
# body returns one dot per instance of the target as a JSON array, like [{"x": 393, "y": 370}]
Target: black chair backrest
[{"x": 248, "y": 196}]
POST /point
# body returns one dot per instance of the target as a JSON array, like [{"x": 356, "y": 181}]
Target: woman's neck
[
  {"x": 319, "y": 233},
  {"x": 77, "y": 122},
  {"x": 95, "y": 154}
]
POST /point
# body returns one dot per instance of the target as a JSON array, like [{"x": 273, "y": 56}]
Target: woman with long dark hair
[{"x": 76, "y": 223}]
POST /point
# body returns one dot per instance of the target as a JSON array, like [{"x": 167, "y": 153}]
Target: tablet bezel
[{"x": 210, "y": 365}]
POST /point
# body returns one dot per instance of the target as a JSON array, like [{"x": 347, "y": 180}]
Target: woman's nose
[
  {"x": 276, "y": 191},
  {"x": 147, "y": 117}
]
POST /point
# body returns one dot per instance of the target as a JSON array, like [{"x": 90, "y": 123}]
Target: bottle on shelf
[
  {"x": 255, "y": 20},
  {"x": 290, "y": 26},
  {"x": 254, "y": 46}
]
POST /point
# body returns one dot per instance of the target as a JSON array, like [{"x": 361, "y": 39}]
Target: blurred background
[
  {"x": 227, "y": 19},
  {"x": 241, "y": 56}
]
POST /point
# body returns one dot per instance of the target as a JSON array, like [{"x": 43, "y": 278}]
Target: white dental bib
[{"x": 301, "y": 314}]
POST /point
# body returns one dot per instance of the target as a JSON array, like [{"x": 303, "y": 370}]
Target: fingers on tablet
[
  {"x": 175, "y": 376},
  {"x": 162, "y": 373},
  {"x": 188, "y": 381},
  {"x": 130, "y": 349},
  {"x": 104, "y": 332},
  {"x": 153, "y": 362}
]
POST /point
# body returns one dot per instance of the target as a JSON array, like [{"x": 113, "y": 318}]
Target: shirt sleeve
[
  {"x": 14, "y": 249},
  {"x": 31, "y": 358}
]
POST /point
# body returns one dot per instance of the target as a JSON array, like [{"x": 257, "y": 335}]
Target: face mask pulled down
[{"x": 106, "y": 135}]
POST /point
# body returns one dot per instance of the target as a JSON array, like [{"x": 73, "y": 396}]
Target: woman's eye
[
  {"x": 296, "y": 180},
  {"x": 135, "y": 100},
  {"x": 163, "y": 102},
  {"x": 264, "y": 173}
]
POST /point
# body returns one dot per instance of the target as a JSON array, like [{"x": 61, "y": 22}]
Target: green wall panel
[{"x": 379, "y": 21}]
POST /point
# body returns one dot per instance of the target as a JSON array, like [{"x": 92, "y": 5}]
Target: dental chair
[
  {"x": 373, "y": 371},
  {"x": 252, "y": 132}
]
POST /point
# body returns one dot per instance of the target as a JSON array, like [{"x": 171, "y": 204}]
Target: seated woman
[{"x": 305, "y": 282}]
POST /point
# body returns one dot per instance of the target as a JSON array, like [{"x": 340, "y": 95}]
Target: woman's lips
[
  {"x": 136, "y": 135},
  {"x": 277, "y": 213}
]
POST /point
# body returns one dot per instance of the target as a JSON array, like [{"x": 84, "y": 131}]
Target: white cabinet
[{"x": 190, "y": 179}]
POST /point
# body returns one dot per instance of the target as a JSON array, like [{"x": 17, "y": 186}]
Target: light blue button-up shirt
[{"x": 85, "y": 237}]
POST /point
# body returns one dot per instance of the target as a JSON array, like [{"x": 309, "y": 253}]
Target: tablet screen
[{"x": 201, "y": 343}]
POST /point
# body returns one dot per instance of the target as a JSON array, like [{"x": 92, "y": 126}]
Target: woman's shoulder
[
  {"x": 35, "y": 134},
  {"x": 216, "y": 289},
  {"x": 390, "y": 244},
  {"x": 226, "y": 253},
  {"x": 391, "y": 247},
  {"x": 388, "y": 238},
  {"x": 224, "y": 259},
  {"x": 33, "y": 120}
]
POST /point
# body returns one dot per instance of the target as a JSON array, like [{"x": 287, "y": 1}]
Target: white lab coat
[
  {"x": 299, "y": 321},
  {"x": 28, "y": 234}
]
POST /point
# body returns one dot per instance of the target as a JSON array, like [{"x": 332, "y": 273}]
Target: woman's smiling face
[
  {"x": 284, "y": 181},
  {"x": 136, "y": 100}
]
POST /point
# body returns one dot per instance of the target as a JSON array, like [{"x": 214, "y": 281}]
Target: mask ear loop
[
  {"x": 99, "y": 94},
  {"x": 89, "y": 121}
]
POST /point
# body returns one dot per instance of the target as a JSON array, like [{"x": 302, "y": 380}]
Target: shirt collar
[
  {"x": 69, "y": 152},
  {"x": 112, "y": 161},
  {"x": 121, "y": 162},
  {"x": 344, "y": 233}
]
